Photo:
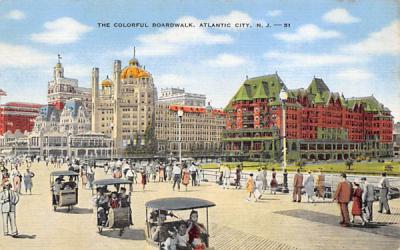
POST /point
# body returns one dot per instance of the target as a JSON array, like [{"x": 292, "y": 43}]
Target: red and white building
[{"x": 18, "y": 116}]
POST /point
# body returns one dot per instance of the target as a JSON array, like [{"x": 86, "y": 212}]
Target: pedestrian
[
  {"x": 90, "y": 176},
  {"x": 383, "y": 194},
  {"x": 356, "y": 209},
  {"x": 309, "y": 187},
  {"x": 161, "y": 173},
  {"x": 28, "y": 175},
  {"x": 8, "y": 200},
  {"x": 227, "y": 176},
  {"x": 144, "y": 178},
  {"x": 238, "y": 176},
  {"x": 297, "y": 185},
  {"x": 83, "y": 176},
  {"x": 117, "y": 175},
  {"x": 193, "y": 173},
  {"x": 130, "y": 176},
  {"x": 259, "y": 180},
  {"x": 185, "y": 176},
  {"x": 250, "y": 187},
  {"x": 176, "y": 173},
  {"x": 343, "y": 196},
  {"x": 265, "y": 182},
  {"x": 367, "y": 198},
  {"x": 285, "y": 181},
  {"x": 274, "y": 182},
  {"x": 16, "y": 177},
  {"x": 168, "y": 169},
  {"x": 321, "y": 185}
]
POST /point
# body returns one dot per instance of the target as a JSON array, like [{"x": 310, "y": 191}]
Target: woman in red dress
[
  {"x": 356, "y": 210},
  {"x": 196, "y": 229},
  {"x": 185, "y": 176}
]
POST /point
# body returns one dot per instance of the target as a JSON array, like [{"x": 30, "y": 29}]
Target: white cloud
[
  {"x": 303, "y": 60},
  {"x": 15, "y": 15},
  {"x": 226, "y": 61},
  {"x": 61, "y": 31},
  {"x": 77, "y": 70},
  {"x": 383, "y": 42},
  {"x": 307, "y": 33},
  {"x": 171, "y": 80},
  {"x": 274, "y": 13},
  {"x": 340, "y": 16},
  {"x": 16, "y": 56},
  {"x": 355, "y": 75}
]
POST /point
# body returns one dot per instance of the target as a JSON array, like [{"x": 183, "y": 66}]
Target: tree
[{"x": 349, "y": 163}]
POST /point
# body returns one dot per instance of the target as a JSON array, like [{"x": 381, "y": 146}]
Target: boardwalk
[{"x": 273, "y": 223}]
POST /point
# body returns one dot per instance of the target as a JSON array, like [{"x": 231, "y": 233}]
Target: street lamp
[
  {"x": 112, "y": 144},
  {"x": 180, "y": 115},
  {"x": 283, "y": 95}
]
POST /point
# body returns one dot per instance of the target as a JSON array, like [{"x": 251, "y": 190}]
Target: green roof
[
  {"x": 318, "y": 85},
  {"x": 262, "y": 87}
]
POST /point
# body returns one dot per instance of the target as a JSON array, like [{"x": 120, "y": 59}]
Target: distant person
[
  {"x": 274, "y": 183},
  {"x": 144, "y": 178},
  {"x": 193, "y": 173},
  {"x": 356, "y": 209},
  {"x": 285, "y": 181},
  {"x": 320, "y": 185},
  {"x": 297, "y": 185},
  {"x": 265, "y": 182},
  {"x": 343, "y": 196},
  {"x": 259, "y": 180},
  {"x": 368, "y": 198},
  {"x": 238, "y": 176},
  {"x": 185, "y": 177},
  {"x": 250, "y": 187},
  {"x": 227, "y": 176},
  {"x": 383, "y": 194},
  {"x": 28, "y": 175},
  {"x": 176, "y": 173},
  {"x": 309, "y": 187}
]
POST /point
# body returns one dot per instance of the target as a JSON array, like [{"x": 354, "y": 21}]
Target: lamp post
[
  {"x": 283, "y": 95},
  {"x": 112, "y": 141},
  {"x": 180, "y": 115}
]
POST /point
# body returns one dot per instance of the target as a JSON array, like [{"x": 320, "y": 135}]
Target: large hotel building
[{"x": 320, "y": 124}]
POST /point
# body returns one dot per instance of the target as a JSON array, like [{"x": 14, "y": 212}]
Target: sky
[{"x": 353, "y": 45}]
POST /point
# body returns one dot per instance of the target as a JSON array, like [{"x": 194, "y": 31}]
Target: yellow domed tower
[{"x": 127, "y": 112}]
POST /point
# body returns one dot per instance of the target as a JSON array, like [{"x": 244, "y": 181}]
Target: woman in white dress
[{"x": 309, "y": 187}]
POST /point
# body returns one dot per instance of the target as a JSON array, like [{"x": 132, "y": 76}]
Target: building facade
[
  {"x": 60, "y": 89},
  {"x": 18, "y": 116},
  {"x": 123, "y": 105},
  {"x": 178, "y": 96},
  {"x": 201, "y": 130},
  {"x": 396, "y": 140},
  {"x": 320, "y": 124}
]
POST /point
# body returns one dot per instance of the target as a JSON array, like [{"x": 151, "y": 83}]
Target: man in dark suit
[
  {"x": 8, "y": 201},
  {"x": 343, "y": 196},
  {"x": 297, "y": 185}
]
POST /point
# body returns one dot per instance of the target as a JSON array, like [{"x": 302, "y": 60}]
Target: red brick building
[
  {"x": 320, "y": 124},
  {"x": 18, "y": 116}
]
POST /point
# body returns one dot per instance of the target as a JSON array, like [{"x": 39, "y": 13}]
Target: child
[
  {"x": 250, "y": 186},
  {"x": 114, "y": 201},
  {"x": 171, "y": 242},
  {"x": 183, "y": 234}
]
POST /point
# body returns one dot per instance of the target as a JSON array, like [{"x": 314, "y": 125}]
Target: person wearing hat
[
  {"x": 356, "y": 209},
  {"x": 368, "y": 198},
  {"x": 8, "y": 201},
  {"x": 297, "y": 185},
  {"x": 343, "y": 196},
  {"x": 384, "y": 190}
]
